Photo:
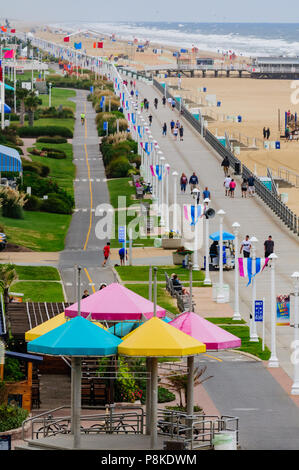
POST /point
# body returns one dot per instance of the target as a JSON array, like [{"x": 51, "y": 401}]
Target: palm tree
[
  {"x": 21, "y": 95},
  {"x": 7, "y": 276},
  {"x": 179, "y": 383},
  {"x": 32, "y": 102}
]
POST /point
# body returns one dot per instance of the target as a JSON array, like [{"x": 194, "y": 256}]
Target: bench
[{"x": 183, "y": 300}]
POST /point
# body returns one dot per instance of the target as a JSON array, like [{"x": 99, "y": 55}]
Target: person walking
[
  {"x": 150, "y": 119},
  {"x": 172, "y": 125},
  {"x": 193, "y": 181},
  {"x": 251, "y": 188},
  {"x": 269, "y": 247},
  {"x": 225, "y": 165},
  {"x": 164, "y": 101},
  {"x": 244, "y": 187},
  {"x": 268, "y": 133},
  {"x": 206, "y": 193},
  {"x": 164, "y": 129},
  {"x": 106, "y": 251},
  {"x": 141, "y": 106},
  {"x": 172, "y": 104},
  {"x": 246, "y": 247},
  {"x": 181, "y": 132},
  {"x": 226, "y": 185},
  {"x": 183, "y": 182},
  {"x": 175, "y": 133},
  {"x": 232, "y": 187},
  {"x": 156, "y": 103}
]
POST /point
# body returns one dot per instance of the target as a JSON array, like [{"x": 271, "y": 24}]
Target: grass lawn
[
  {"x": 121, "y": 187},
  {"x": 37, "y": 273},
  {"x": 39, "y": 231},
  {"x": 136, "y": 242},
  {"x": 62, "y": 171},
  {"x": 39, "y": 291},
  {"x": 254, "y": 348},
  {"x": 226, "y": 321},
  {"x": 59, "y": 96},
  {"x": 141, "y": 273},
  {"x": 69, "y": 123},
  {"x": 163, "y": 298}
]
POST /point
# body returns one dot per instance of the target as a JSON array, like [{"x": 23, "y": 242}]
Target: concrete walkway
[
  {"x": 194, "y": 154},
  {"x": 81, "y": 245}
]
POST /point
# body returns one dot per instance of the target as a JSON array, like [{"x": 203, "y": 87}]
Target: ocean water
[{"x": 250, "y": 39}]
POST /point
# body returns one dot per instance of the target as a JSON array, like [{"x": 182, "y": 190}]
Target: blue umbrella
[
  {"x": 226, "y": 236},
  {"x": 7, "y": 109}
]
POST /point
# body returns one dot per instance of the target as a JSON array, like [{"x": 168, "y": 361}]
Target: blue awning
[
  {"x": 23, "y": 357},
  {"x": 226, "y": 236},
  {"x": 10, "y": 159}
]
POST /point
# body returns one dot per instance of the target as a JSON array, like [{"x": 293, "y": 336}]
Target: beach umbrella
[
  {"x": 76, "y": 338},
  {"x": 115, "y": 303},
  {"x": 7, "y": 108},
  {"x": 8, "y": 87},
  {"x": 226, "y": 236},
  {"x": 49, "y": 325},
  {"x": 203, "y": 330},
  {"x": 154, "y": 339}
]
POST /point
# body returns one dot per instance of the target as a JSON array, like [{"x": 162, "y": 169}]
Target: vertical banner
[{"x": 283, "y": 310}]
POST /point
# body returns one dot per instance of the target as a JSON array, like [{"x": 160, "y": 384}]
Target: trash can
[
  {"x": 237, "y": 167},
  {"x": 157, "y": 243},
  {"x": 225, "y": 440},
  {"x": 266, "y": 182},
  {"x": 239, "y": 118},
  {"x": 218, "y": 104},
  {"x": 204, "y": 89},
  {"x": 237, "y": 151},
  {"x": 284, "y": 197},
  {"x": 277, "y": 144}
]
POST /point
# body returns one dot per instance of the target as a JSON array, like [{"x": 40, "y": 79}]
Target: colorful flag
[
  {"x": 100, "y": 45},
  {"x": 192, "y": 213},
  {"x": 78, "y": 45},
  {"x": 66, "y": 39},
  {"x": 13, "y": 31},
  {"x": 9, "y": 54},
  {"x": 246, "y": 266},
  {"x": 3, "y": 29}
]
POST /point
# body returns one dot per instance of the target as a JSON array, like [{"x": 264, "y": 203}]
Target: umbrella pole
[
  {"x": 79, "y": 291},
  {"x": 154, "y": 401},
  {"x": 148, "y": 395},
  {"x": 76, "y": 405},
  {"x": 190, "y": 391}
]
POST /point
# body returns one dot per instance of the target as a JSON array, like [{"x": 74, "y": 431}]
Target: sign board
[
  {"x": 258, "y": 310},
  {"x": 26, "y": 85},
  {"x": 5, "y": 442},
  {"x": 283, "y": 310},
  {"x": 122, "y": 234},
  {"x": 105, "y": 125}
]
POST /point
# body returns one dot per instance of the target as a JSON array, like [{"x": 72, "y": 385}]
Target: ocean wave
[{"x": 181, "y": 35}]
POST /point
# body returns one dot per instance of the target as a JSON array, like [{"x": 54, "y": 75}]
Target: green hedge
[
  {"x": 52, "y": 140},
  {"x": 36, "y": 131},
  {"x": 56, "y": 205},
  {"x": 118, "y": 168},
  {"x": 33, "y": 203},
  {"x": 11, "y": 417}
]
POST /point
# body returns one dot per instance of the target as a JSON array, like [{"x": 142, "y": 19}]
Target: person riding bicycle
[{"x": 82, "y": 118}]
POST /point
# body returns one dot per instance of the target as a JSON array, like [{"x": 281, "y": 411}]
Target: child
[{"x": 106, "y": 252}]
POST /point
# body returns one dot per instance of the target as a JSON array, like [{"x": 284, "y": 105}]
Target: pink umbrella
[
  {"x": 204, "y": 331},
  {"x": 115, "y": 302}
]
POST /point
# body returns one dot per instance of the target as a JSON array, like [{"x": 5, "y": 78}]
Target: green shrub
[
  {"x": 54, "y": 153},
  {"x": 164, "y": 395},
  {"x": 118, "y": 168},
  {"x": 12, "y": 203},
  {"x": 32, "y": 203},
  {"x": 56, "y": 205},
  {"x": 184, "y": 408},
  {"x": 36, "y": 167},
  {"x": 39, "y": 186},
  {"x": 36, "y": 131},
  {"x": 64, "y": 113},
  {"x": 52, "y": 140},
  {"x": 12, "y": 370},
  {"x": 11, "y": 417}
]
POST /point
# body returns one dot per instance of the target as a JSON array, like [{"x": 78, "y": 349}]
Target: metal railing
[
  {"x": 129, "y": 421},
  {"x": 290, "y": 219},
  {"x": 288, "y": 175},
  {"x": 274, "y": 188}
]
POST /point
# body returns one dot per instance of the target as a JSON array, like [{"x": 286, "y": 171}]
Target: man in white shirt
[
  {"x": 246, "y": 247},
  {"x": 226, "y": 184}
]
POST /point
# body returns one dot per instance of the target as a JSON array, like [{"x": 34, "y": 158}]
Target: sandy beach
[{"x": 258, "y": 102}]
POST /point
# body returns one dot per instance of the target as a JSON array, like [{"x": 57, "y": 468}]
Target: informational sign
[
  {"x": 121, "y": 234},
  {"x": 5, "y": 442},
  {"x": 105, "y": 125},
  {"x": 283, "y": 310},
  {"x": 259, "y": 310}
]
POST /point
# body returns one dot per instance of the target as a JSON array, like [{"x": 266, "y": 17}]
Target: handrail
[
  {"x": 286, "y": 174},
  {"x": 290, "y": 219},
  {"x": 273, "y": 184}
]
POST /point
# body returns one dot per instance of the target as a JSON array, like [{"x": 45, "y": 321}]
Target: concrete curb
[{"x": 236, "y": 351}]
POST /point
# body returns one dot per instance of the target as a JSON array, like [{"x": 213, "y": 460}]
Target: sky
[{"x": 152, "y": 10}]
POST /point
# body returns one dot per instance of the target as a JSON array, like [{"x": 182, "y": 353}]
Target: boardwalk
[
  {"x": 193, "y": 154},
  {"x": 81, "y": 245}
]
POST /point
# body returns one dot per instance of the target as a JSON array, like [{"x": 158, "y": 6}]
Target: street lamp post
[
  {"x": 50, "y": 85},
  {"x": 273, "y": 361},
  {"x": 253, "y": 333},
  {"x": 175, "y": 215},
  {"x": 162, "y": 171},
  {"x": 295, "y": 386},
  {"x": 236, "y": 315},
  {"x": 207, "y": 281},
  {"x": 196, "y": 221},
  {"x": 167, "y": 168},
  {"x": 220, "y": 295}
]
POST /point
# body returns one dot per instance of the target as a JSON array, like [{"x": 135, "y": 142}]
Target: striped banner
[
  {"x": 247, "y": 268},
  {"x": 192, "y": 213}
]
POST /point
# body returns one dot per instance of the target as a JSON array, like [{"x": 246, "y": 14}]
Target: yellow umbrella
[
  {"x": 155, "y": 338},
  {"x": 49, "y": 325}
]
